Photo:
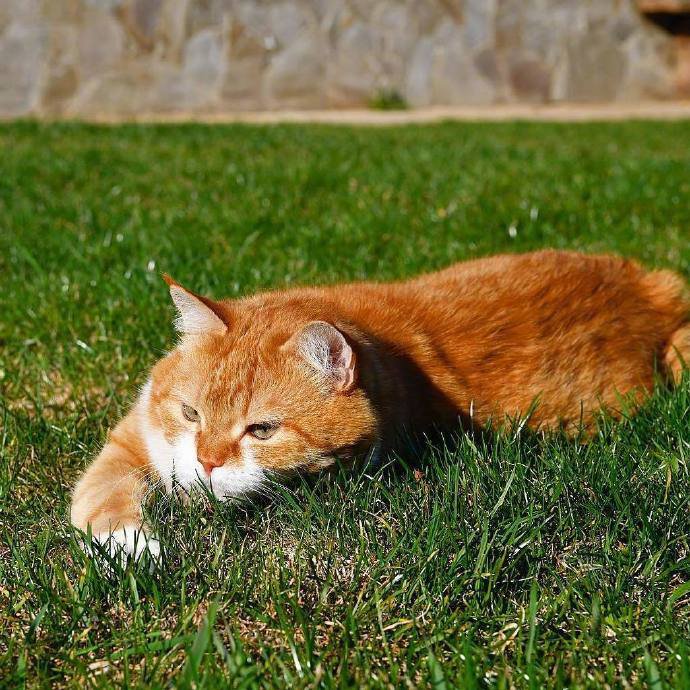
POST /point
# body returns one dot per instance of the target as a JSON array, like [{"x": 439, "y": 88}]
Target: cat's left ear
[
  {"x": 326, "y": 349},
  {"x": 196, "y": 315}
]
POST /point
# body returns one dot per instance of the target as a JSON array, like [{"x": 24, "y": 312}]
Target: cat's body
[{"x": 293, "y": 379}]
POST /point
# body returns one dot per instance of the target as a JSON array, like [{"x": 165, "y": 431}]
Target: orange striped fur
[{"x": 295, "y": 379}]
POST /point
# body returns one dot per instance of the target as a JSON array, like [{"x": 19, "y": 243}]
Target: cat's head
[{"x": 253, "y": 389}]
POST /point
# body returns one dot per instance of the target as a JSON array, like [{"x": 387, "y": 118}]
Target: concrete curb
[{"x": 607, "y": 112}]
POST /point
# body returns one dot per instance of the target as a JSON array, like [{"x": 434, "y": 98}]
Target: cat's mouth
[{"x": 228, "y": 481}]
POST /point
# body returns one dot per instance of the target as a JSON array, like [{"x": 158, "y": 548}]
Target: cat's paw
[{"x": 125, "y": 543}]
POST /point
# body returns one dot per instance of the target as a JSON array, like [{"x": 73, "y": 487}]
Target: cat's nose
[{"x": 209, "y": 464}]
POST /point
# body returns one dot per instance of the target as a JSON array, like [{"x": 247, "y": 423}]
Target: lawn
[{"x": 520, "y": 561}]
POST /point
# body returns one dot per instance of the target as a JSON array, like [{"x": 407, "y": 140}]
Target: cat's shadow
[{"x": 411, "y": 457}]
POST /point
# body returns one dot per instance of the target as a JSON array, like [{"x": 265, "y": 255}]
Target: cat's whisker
[
  {"x": 138, "y": 474},
  {"x": 273, "y": 488},
  {"x": 152, "y": 487}
]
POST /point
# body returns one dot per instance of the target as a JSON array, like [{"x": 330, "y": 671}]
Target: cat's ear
[
  {"x": 196, "y": 315},
  {"x": 325, "y": 348}
]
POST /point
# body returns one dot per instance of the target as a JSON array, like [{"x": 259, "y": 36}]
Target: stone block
[
  {"x": 23, "y": 53},
  {"x": 295, "y": 77},
  {"x": 205, "y": 13},
  {"x": 650, "y": 66},
  {"x": 61, "y": 74},
  {"x": 175, "y": 91},
  {"x": 356, "y": 70},
  {"x": 538, "y": 28},
  {"x": 204, "y": 58},
  {"x": 530, "y": 79},
  {"x": 24, "y": 12},
  {"x": 418, "y": 89},
  {"x": 455, "y": 79},
  {"x": 100, "y": 43},
  {"x": 144, "y": 17},
  {"x": 256, "y": 20},
  {"x": 478, "y": 24},
  {"x": 288, "y": 20},
  {"x": 129, "y": 90},
  {"x": 172, "y": 27},
  {"x": 488, "y": 66},
  {"x": 399, "y": 33},
  {"x": 426, "y": 15},
  {"x": 241, "y": 88},
  {"x": 596, "y": 67},
  {"x": 62, "y": 11},
  {"x": 156, "y": 25},
  {"x": 454, "y": 9},
  {"x": 244, "y": 42}
]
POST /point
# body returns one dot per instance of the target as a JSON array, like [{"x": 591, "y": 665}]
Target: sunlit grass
[{"x": 518, "y": 561}]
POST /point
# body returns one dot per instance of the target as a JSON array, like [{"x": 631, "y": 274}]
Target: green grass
[{"x": 525, "y": 563}]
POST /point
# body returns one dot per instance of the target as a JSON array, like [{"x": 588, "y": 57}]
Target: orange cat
[{"x": 296, "y": 379}]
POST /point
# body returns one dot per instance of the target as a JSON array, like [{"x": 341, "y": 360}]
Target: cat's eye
[
  {"x": 190, "y": 414},
  {"x": 263, "y": 431}
]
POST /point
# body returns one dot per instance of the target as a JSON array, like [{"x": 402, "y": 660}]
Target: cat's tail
[{"x": 677, "y": 353}]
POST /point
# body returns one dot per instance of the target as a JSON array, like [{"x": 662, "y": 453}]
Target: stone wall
[{"x": 130, "y": 57}]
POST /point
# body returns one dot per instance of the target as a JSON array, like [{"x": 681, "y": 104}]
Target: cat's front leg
[{"x": 108, "y": 497}]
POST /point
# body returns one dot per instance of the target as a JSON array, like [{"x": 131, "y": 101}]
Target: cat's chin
[
  {"x": 230, "y": 482},
  {"x": 202, "y": 487},
  {"x": 225, "y": 483}
]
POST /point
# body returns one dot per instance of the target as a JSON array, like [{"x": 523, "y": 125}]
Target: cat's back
[
  {"x": 565, "y": 327},
  {"x": 539, "y": 271},
  {"x": 556, "y": 282}
]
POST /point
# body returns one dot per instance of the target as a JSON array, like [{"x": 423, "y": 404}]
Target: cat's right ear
[
  {"x": 327, "y": 351},
  {"x": 196, "y": 315}
]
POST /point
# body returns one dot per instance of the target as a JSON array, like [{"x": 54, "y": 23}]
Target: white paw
[{"x": 125, "y": 543}]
